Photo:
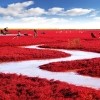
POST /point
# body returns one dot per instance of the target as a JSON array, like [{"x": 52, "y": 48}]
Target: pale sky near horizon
[{"x": 66, "y": 14}]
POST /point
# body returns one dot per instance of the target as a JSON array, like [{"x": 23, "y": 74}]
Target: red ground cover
[
  {"x": 91, "y": 45},
  {"x": 48, "y": 37},
  {"x": 89, "y": 67},
  {"x": 14, "y": 87},
  {"x": 76, "y": 44},
  {"x": 23, "y": 40},
  {"x": 93, "y": 71},
  {"x": 55, "y": 36},
  {"x": 18, "y": 54}
]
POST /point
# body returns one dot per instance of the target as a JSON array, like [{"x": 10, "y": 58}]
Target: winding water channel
[{"x": 31, "y": 68}]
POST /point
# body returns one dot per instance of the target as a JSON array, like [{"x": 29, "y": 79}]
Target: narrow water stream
[{"x": 31, "y": 68}]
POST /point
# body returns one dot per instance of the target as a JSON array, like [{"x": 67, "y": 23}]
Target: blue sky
[{"x": 50, "y": 13}]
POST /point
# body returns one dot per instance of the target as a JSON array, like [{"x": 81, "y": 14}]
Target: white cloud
[
  {"x": 15, "y": 9},
  {"x": 19, "y": 15},
  {"x": 20, "y": 10},
  {"x": 19, "y": 6},
  {"x": 96, "y": 18},
  {"x": 55, "y": 10},
  {"x": 35, "y": 11},
  {"x": 94, "y": 13},
  {"x": 7, "y": 18},
  {"x": 71, "y": 12},
  {"x": 38, "y": 22},
  {"x": 78, "y": 11},
  {"x": 43, "y": 22}
]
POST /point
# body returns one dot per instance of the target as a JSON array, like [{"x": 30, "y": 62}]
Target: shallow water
[{"x": 31, "y": 68}]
